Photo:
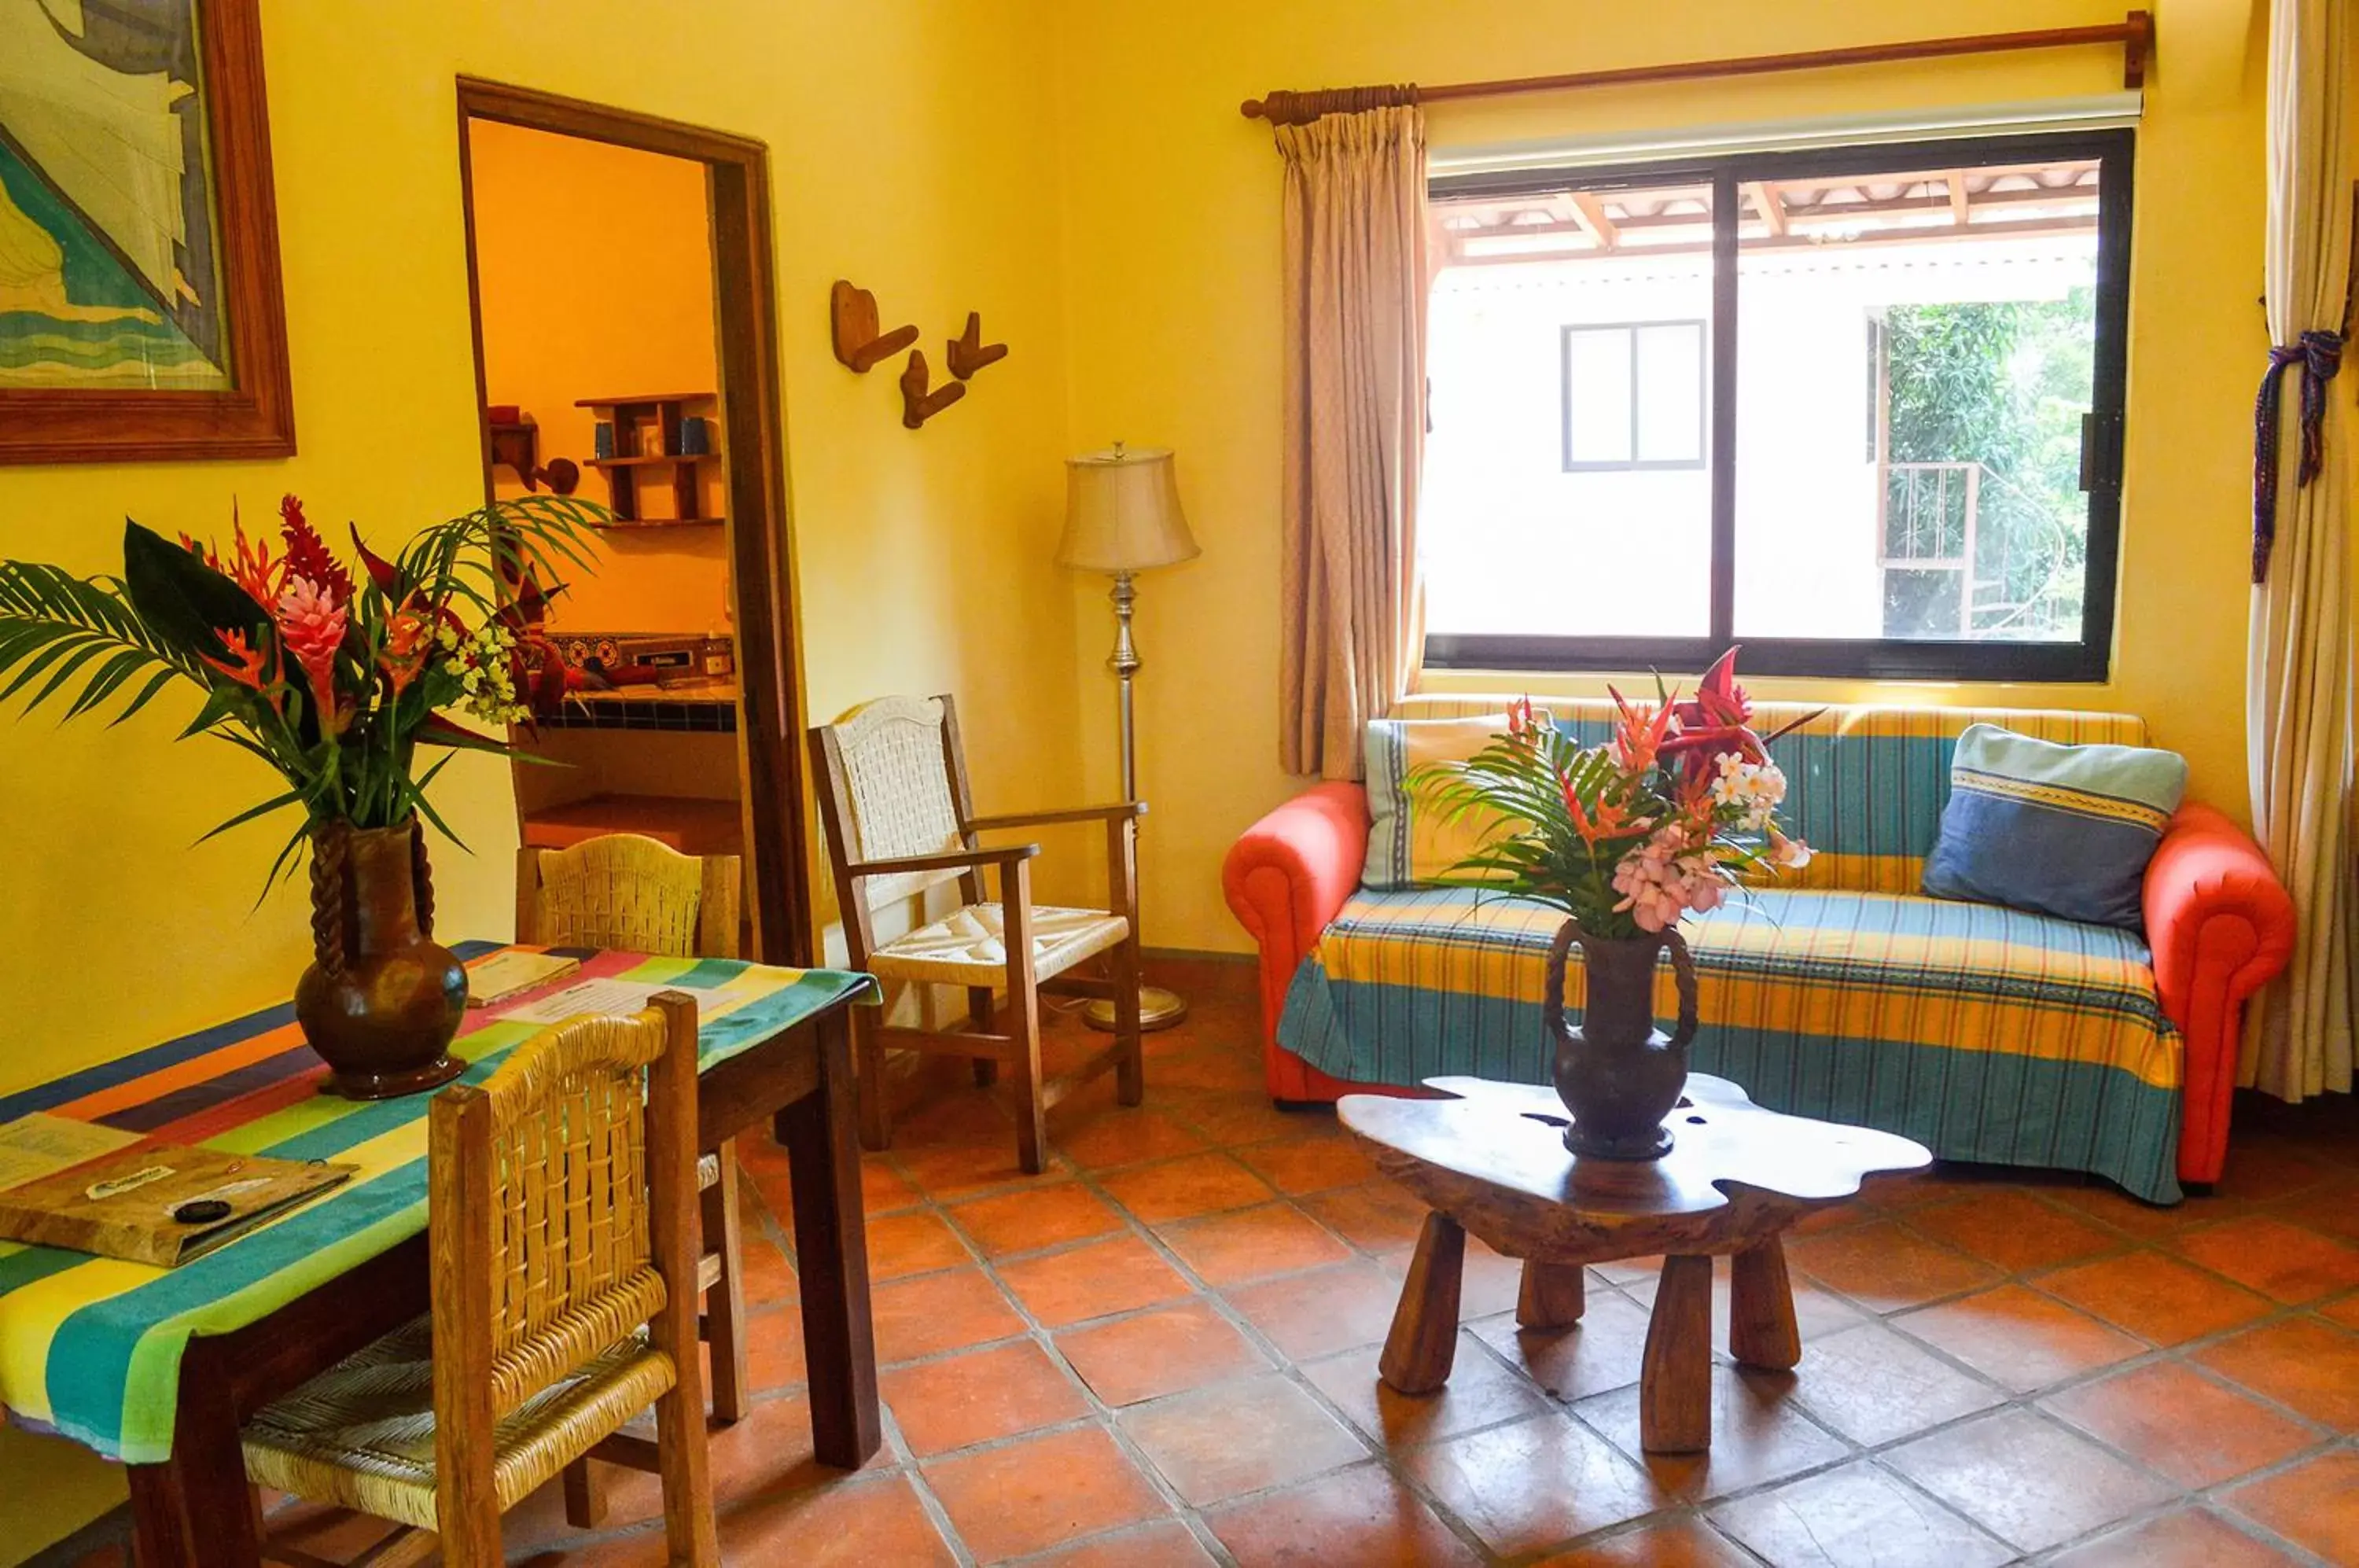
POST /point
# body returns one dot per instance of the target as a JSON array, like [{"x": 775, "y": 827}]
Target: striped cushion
[
  {"x": 1986, "y": 1033},
  {"x": 2058, "y": 830},
  {"x": 1410, "y": 843}
]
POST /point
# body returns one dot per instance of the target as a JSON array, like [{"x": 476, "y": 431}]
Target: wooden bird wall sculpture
[
  {"x": 967, "y": 353},
  {"x": 852, "y": 311},
  {"x": 919, "y": 405}
]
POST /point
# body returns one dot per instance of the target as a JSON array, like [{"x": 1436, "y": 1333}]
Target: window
[
  {"x": 1859, "y": 409},
  {"x": 1633, "y": 397}
]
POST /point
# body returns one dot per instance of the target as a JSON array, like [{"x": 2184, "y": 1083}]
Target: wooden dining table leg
[
  {"x": 196, "y": 1509},
  {"x": 822, "y": 1146}
]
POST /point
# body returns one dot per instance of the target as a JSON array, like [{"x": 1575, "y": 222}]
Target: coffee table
[{"x": 1490, "y": 1159}]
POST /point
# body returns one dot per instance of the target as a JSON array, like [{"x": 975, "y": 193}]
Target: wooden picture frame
[{"x": 254, "y": 415}]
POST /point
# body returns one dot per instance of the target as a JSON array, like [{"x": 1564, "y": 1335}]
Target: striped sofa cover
[{"x": 1984, "y": 1033}]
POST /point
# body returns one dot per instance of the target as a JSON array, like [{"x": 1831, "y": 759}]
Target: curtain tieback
[{"x": 2318, "y": 354}]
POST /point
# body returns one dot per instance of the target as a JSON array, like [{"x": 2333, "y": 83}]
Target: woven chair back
[
  {"x": 628, "y": 891},
  {"x": 565, "y": 1185},
  {"x": 899, "y": 797}
]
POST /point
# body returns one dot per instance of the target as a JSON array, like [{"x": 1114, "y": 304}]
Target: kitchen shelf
[
  {"x": 648, "y": 460},
  {"x": 646, "y": 434}
]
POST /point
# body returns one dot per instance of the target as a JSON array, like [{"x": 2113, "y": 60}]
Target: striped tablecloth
[{"x": 91, "y": 1347}]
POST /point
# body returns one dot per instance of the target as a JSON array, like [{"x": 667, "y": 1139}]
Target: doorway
[{"x": 685, "y": 695}]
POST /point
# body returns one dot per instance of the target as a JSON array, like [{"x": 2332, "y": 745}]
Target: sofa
[{"x": 1839, "y": 992}]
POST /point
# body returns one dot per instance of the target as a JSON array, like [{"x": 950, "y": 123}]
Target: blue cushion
[{"x": 2058, "y": 830}]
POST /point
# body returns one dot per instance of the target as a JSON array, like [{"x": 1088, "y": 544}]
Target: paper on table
[
  {"x": 504, "y": 975},
  {"x": 589, "y": 996},
  {"x": 39, "y": 1145}
]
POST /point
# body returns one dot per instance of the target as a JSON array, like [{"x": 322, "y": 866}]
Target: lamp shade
[{"x": 1122, "y": 512}]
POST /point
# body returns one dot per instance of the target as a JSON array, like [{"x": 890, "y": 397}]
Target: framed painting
[{"x": 141, "y": 314}]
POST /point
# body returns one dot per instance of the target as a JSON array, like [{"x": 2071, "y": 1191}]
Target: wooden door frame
[{"x": 770, "y": 708}]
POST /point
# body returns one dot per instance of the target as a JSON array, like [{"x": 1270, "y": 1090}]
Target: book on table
[{"x": 99, "y": 1190}]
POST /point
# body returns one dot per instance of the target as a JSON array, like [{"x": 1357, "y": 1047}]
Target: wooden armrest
[
  {"x": 949, "y": 860},
  {"x": 1070, "y": 814}
]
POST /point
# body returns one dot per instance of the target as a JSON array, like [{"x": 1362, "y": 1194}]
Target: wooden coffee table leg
[
  {"x": 1424, "y": 1338},
  {"x": 1553, "y": 1295},
  {"x": 1761, "y": 1331},
  {"x": 1675, "y": 1379}
]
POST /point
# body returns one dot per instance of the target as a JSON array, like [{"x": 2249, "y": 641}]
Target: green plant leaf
[
  {"x": 291, "y": 798},
  {"x": 185, "y": 604}
]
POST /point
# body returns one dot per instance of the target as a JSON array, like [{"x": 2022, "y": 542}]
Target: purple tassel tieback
[{"x": 2320, "y": 356}]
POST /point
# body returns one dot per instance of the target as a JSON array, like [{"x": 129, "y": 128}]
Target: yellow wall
[
  {"x": 906, "y": 153},
  {"x": 613, "y": 301},
  {"x": 1172, "y": 255}
]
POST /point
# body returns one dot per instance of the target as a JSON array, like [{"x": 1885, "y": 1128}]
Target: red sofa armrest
[
  {"x": 2221, "y": 926},
  {"x": 1285, "y": 878}
]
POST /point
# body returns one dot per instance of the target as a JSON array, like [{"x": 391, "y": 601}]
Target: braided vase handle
[{"x": 1683, "y": 971}]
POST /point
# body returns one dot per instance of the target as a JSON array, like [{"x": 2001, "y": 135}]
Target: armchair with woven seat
[
  {"x": 561, "y": 1195},
  {"x": 894, "y": 801}
]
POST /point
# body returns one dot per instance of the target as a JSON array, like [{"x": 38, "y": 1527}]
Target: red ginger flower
[
  {"x": 306, "y": 554},
  {"x": 311, "y": 624}
]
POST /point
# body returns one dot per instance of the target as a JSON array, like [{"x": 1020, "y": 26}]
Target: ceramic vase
[
  {"x": 382, "y": 999},
  {"x": 1617, "y": 1073}
]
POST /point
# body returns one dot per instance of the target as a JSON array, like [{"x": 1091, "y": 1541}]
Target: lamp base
[{"x": 1158, "y": 1009}]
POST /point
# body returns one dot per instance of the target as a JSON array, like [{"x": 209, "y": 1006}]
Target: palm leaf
[{"x": 55, "y": 624}]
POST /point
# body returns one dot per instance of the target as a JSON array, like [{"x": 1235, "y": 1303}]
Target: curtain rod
[{"x": 2134, "y": 32}]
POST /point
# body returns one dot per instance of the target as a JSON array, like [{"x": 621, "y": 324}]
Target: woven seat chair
[
  {"x": 625, "y": 891},
  {"x": 561, "y": 1197},
  {"x": 893, "y": 799}
]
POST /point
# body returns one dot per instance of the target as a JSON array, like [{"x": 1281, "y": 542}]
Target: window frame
[
  {"x": 2089, "y": 659},
  {"x": 1634, "y": 463}
]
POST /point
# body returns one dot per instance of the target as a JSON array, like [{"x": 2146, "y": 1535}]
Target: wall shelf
[
  {"x": 625, "y": 525},
  {"x": 650, "y": 461},
  {"x": 648, "y": 436}
]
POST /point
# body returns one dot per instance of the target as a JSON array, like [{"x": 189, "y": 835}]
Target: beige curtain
[
  {"x": 2298, "y": 672},
  {"x": 1355, "y": 294}
]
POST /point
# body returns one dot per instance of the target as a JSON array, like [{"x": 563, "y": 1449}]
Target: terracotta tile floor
[{"x": 1162, "y": 1352}]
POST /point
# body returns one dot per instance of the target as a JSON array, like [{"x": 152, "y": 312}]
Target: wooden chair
[
  {"x": 626, "y": 891},
  {"x": 561, "y": 1194},
  {"x": 893, "y": 798}
]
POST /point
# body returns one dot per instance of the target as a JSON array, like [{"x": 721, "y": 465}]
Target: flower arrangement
[
  {"x": 1630, "y": 836},
  {"x": 334, "y": 681}
]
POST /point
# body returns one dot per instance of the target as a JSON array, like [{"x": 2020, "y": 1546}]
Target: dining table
[{"x": 159, "y": 1369}]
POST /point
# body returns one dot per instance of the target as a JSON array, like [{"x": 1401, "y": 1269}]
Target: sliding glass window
[{"x": 1859, "y": 409}]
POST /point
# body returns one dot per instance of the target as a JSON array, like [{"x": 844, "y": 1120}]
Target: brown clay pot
[
  {"x": 382, "y": 1000},
  {"x": 1616, "y": 1072}
]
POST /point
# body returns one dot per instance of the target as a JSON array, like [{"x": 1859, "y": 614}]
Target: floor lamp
[{"x": 1123, "y": 517}]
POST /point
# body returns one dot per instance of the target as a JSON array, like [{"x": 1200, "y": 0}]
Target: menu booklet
[{"x": 69, "y": 1184}]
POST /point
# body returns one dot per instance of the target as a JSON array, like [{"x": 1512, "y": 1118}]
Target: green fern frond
[{"x": 83, "y": 634}]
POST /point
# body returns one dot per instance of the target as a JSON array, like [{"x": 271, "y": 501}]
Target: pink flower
[
  {"x": 1661, "y": 879},
  {"x": 311, "y": 624}
]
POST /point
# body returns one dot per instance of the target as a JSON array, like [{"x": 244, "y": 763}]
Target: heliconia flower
[
  {"x": 409, "y": 643},
  {"x": 245, "y": 664},
  {"x": 1520, "y": 724},
  {"x": 1641, "y": 733},
  {"x": 311, "y": 624},
  {"x": 307, "y": 553},
  {"x": 251, "y": 567}
]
